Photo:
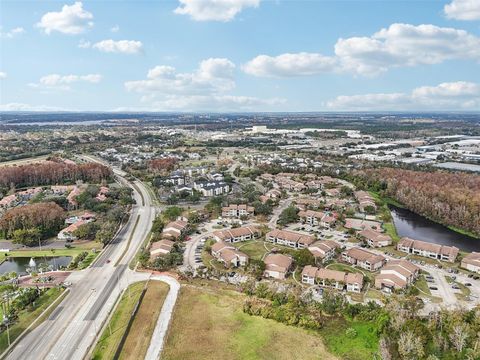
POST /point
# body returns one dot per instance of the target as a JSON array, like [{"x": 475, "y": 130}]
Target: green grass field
[
  {"x": 108, "y": 343},
  {"x": 254, "y": 249},
  {"x": 363, "y": 346},
  {"x": 211, "y": 325},
  {"x": 138, "y": 338},
  {"x": 27, "y": 316}
]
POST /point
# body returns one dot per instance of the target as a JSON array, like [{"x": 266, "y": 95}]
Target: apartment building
[
  {"x": 396, "y": 274},
  {"x": 471, "y": 262},
  {"x": 277, "y": 266},
  {"x": 237, "y": 210},
  {"x": 352, "y": 282},
  {"x": 234, "y": 235},
  {"x": 363, "y": 258},
  {"x": 229, "y": 255},
  {"x": 323, "y": 250},
  {"x": 317, "y": 218},
  {"x": 374, "y": 239},
  {"x": 429, "y": 250},
  {"x": 289, "y": 238}
]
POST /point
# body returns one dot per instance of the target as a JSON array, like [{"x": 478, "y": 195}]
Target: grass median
[
  {"x": 113, "y": 333},
  {"x": 140, "y": 334}
]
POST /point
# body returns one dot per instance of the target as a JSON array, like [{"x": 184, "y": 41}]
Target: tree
[
  {"x": 172, "y": 212},
  {"x": 106, "y": 233},
  {"x": 158, "y": 224},
  {"x": 288, "y": 215},
  {"x": 303, "y": 257},
  {"x": 459, "y": 336},
  {"x": 27, "y": 237},
  {"x": 87, "y": 231},
  {"x": 46, "y": 217},
  {"x": 410, "y": 346}
]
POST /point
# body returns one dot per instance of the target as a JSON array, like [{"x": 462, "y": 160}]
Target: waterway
[
  {"x": 20, "y": 264},
  {"x": 420, "y": 228}
]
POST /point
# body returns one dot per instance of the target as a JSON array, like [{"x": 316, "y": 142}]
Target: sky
[{"x": 240, "y": 55}]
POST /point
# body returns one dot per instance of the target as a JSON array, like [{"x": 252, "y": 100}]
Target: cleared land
[
  {"x": 211, "y": 325},
  {"x": 138, "y": 338}
]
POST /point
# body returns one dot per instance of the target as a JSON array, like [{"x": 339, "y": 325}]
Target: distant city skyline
[{"x": 240, "y": 56}]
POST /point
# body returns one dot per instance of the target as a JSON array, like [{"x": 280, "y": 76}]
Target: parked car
[{"x": 433, "y": 288}]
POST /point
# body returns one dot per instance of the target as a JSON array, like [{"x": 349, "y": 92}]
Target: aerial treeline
[
  {"x": 31, "y": 223},
  {"x": 452, "y": 199},
  {"x": 162, "y": 164},
  {"x": 51, "y": 173}
]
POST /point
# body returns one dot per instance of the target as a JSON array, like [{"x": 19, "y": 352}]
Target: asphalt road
[{"x": 72, "y": 328}]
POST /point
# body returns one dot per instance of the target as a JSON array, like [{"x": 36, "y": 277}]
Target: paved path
[{"x": 158, "y": 336}]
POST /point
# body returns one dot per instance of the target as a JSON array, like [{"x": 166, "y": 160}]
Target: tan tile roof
[
  {"x": 291, "y": 236},
  {"x": 278, "y": 262},
  {"x": 354, "y": 278},
  {"x": 364, "y": 255},
  {"x": 309, "y": 271},
  {"x": 472, "y": 259},
  {"x": 236, "y": 232}
]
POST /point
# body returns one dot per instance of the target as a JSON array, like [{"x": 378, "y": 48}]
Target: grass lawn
[
  {"x": 211, "y": 325},
  {"x": 391, "y": 231},
  {"x": 254, "y": 249},
  {"x": 73, "y": 251},
  {"x": 108, "y": 343},
  {"x": 138, "y": 338},
  {"x": 27, "y": 316},
  {"x": 362, "y": 347}
]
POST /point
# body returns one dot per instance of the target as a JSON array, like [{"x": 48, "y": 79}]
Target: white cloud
[
  {"x": 290, "y": 65},
  {"x": 120, "y": 46},
  {"x": 463, "y": 10},
  {"x": 405, "y": 45},
  {"x": 115, "y": 29},
  {"x": 71, "y": 20},
  {"x": 460, "y": 95},
  {"x": 214, "y": 10},
  {"x": 63, "y": 82},
  {"x": 12, "y": 33},
  {"x": 203, "y": 89},
  {"x": 213, "y": 75},
  {"x": 3, "y": 75},
  {"x": 399, "y": 45}
]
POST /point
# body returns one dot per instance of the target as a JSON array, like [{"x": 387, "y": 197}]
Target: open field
[
  {"x": 25, "y": 161},
  {"x": 363, "y": 346},
  {"x": 27, "y": 316},
  {"x": 253, "y": 248},
  {"x": 108, "y": 343},
  {"x": 139, "y": 335},
  {"x": 211, "y": 325}
]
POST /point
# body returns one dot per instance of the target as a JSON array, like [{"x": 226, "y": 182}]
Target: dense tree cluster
[
  {"x": 37, "y": 220},
  {"x": 452, "y": 199},
  {"x": 51, "y": 173},
  {"x": 162, "y": 165}
]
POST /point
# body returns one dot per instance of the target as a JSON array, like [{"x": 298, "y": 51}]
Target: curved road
[{"x": 71, "y": 329}]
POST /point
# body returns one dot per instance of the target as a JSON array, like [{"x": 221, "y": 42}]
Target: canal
[{"x": 420, "y": 228}]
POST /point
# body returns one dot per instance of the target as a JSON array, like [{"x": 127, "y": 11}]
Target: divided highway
[{"x": 72, "y": 328}]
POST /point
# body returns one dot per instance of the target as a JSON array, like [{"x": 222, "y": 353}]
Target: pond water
[
  {"x": 20, "y": 264},
  {"x": 420, "y": 228}
]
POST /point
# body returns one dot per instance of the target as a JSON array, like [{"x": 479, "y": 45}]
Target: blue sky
[{"x": 240, "y": 55}]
